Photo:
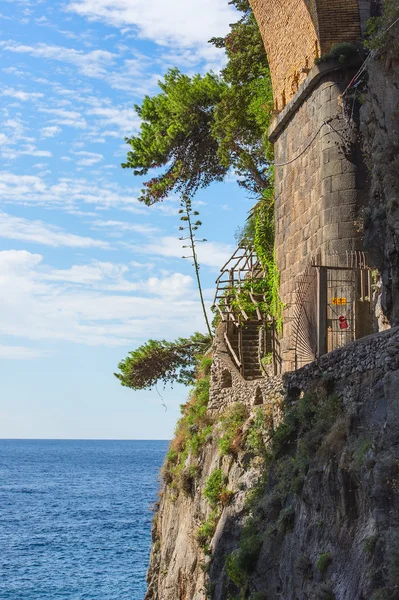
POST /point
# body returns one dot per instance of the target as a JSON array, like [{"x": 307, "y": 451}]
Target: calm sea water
[{"x": 75, "y": 519}]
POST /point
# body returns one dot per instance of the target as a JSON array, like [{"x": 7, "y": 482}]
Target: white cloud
[
  {"x": 19, "y": 352},
  {"x": 211, "y": 254},
  {"x": 90, "y": 64},
  {"x": 89, "y": 304},
  {"x": 125, "y": 119},
  {"x": 179, "y": 22},
  {"x": 88, "y": 158},
  {"x": 125, "y": 226},
  {"x": 51, "y": 131},
  {"x": 25, "y": 150},
  {"x": 5, "y": 140},
  {"x": 72, "y": 118},
  {"x": 21, "y": 95},
  {"x": 67, "y": 194},
  {"x": 17, "y": 228}
]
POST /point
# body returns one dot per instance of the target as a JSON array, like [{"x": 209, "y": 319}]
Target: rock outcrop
[
  {"x": 380, "y": 130},
  {"x": 294, "y": 496}
]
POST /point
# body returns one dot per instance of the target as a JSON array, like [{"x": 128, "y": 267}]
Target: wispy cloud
[
  {"x": 68, "y": 193},
  {"x": 21, "y": 95},
  {"x": 211, "y": 254},
  {"x": 179, "y": 22},
  {"x": 50, "y": 131},
  {"x": 61, "y": 116},
  {"x": 87, "y": 159},
  {"x": 18, "y": 228},
  {"x": 125, "y": 226},
  {"x": 92, "y": 303},
  {"x": 90, "y": 64}
]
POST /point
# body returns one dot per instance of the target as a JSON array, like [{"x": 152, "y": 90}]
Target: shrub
[
  {"x": 261, "y": 426},
  {"x": 205, "y": 532},
  {"x": 323, "y": 562},
  {"x": 286, "y": 520},
  {"x": 192, "y": 431},
  {"x": 340, "y": 52},
  {"x": 187, "y": 479},
  {"x": 362, "y": 447},
  {"x": 231, "y": 428},
  {"x": 233, "y": 569},
  {"x": 242, "y": 561},
  {"x": 215, "y": 489}
]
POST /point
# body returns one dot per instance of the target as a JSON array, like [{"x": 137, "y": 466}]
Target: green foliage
[
  {"x": 258, "y": 232},
  {"x": 323, "y": 562},
  {"x": 205, "y": 532},
  {"x": 264, "y": 246},
  {"x": 215, "y": 490},
  {"x": 362, "y": 447},
  {"x": 286, "y": 520},
  {"x": 242, "y": 561},
  {"x": 192, "y": 431},
  {"x": 260, "y": 428},
  {"x": 231, "y": 423},
  {"x": 199, "y": 127},
  {"x": 377, "y": 28},
  {"x": 159, "y": 360},
  {"x": 341, "y": 52},
  {"x": 176, "y": 134}
]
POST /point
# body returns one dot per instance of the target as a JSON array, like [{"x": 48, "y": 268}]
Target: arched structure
[
  {"x": 296, "y": 32},
  {"x": 319, "y": 175}
]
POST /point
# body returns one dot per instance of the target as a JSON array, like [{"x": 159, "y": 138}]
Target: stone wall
[
  {"x": 378, "y": 352},
  {"x": 296, "y": 32},
  {"x": 228, "y": 386},
  {"x": 319, "y": 188},
  {"x": 344, "y": 504}
]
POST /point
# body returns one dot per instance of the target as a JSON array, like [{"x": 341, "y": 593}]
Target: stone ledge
[{"x": 280, "y": 121}]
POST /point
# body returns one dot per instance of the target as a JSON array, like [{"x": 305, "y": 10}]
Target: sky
[{"x": 88, "y": 273}]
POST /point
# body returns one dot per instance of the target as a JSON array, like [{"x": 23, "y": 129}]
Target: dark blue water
[{"x": 75, "y": 521}]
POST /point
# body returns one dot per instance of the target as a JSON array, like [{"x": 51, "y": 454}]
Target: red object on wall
[{"x": 343, "y": 323}]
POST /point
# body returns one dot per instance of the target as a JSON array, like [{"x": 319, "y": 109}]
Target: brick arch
[{"x": 296, "y": 32}]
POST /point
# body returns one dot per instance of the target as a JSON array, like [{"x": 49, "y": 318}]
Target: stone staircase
[{"x": 250, "y": 358}]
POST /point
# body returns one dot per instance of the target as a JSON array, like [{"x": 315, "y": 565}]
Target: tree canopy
[
  {"x": 162, "y": 361},
  {"x": 200, "y": 127}
]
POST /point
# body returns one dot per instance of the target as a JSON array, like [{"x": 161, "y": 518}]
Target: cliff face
[
  {"x": 293, "y": 492},
  {"x": 380, "y": 130}
]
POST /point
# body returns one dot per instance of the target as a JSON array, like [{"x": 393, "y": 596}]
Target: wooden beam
[{"x": 321, "y": 311}]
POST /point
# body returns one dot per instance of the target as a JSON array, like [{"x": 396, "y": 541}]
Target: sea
[{"x": 75, "y": 518}]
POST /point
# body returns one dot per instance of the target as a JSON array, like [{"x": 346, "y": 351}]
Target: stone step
[{"x": 252, "y": 371}]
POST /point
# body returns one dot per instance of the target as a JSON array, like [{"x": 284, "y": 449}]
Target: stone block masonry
[
  {"x": 318, "y": 185},
  {"x": 296, "y": 32},
  {"x": 319, "y": 174},
  {"x": 376, "y": 356}
]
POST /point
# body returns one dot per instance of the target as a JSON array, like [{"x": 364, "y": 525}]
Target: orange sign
[{"x": 338, "y": 301}]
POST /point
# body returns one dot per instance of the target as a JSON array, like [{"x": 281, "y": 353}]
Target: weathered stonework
[
  {"x": 228, "y": 386},
  {"x": 348, "y": 495},
  {"x": 295, "y": 33},
  {"x": 319, "y": 187}
]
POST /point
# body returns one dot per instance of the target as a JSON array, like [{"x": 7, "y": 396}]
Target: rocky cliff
[
  {"x": 285, "y": 488},
  {"x": 380, "y": 131}
]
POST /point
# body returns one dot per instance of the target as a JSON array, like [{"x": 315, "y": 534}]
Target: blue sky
[{"x": 87, "y": 273}]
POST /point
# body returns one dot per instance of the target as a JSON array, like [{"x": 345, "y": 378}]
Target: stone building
[{"x": 320, "y": 179}]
